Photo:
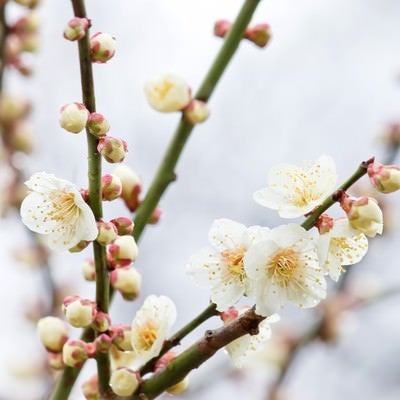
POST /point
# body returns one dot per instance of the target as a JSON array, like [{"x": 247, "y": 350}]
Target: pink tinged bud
[
  {"x": 259, "y": 34},
  {"x": 121, "y": 337},
  {"x": 155, "y": 216},
  {"x": 102, "y": 47},
  {"x": 85, "y": 194},
  {"x": 221, "y": 28},
  {"x": 324, "y": 223},
  {"x": 229, "y": 315},
  {"x": 179, "y": 387},
  {"x": 364, "y": 214},
  {"x": 112, "y": 149},
  {"x": 75, "y": 353},
  {"x": 76, "y": 29},
  {"x": 127, "y": 281},
  {"x": 73, "y": 117},
  {"x": 80, "y": 313},
  {"x": 124, "y": 250},
  {"x": 79, "y": 246},
  {"x": 107, "y": 233},
  {"x": 101, "y": 322},
  {"x": 55, "y": 360},
  {"x": 89, "y": 270},
  {"x": 196, "y": 112},
  {"x": 124, "y": 381},
  {"x": 111, "y": 187},
  {"x": 53, "y": 333},
  {"x": 90, "y": 388},
  {"x": 98, "y": 125},
  {"x": 13, "y": 49},
  {"x": 29, "y": 23},
  {"x": 385, "y": 178},
  {"x": 124, "y": 225},
  {"x": 103, "y": 343},
  {"x": 164, "y": 360},
  {"x": 131, "y": 186}
]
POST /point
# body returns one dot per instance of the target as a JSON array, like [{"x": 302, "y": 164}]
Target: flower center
[
  {"x": 163, "y": 89},
  {"x": 283, "y": 266},
  {"x": 234, "y": 259},
  {"x": 64, "y": 207},
  {"x": 147, "y": 335}
]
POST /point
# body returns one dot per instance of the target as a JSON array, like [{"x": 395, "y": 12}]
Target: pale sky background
[{"x": 328, "y": 83}]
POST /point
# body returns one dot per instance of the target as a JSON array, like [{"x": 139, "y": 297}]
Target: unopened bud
[
  {"x": 90, "y": 388},
  {"x": 74, "y": 353},
  {"x": 385, "y": 178},
  {"x": 55, "y": 360},
  {"x": 89, "y": 270},
  {"x": 124, "y": 382},
  {"x": 179, "y": 387},
  {"x": 76, "y": 29},
  {"x": 29, "y": 23},
  {"x": 167, "y": 93},
  {"x": 131, "y": 186},
  {"x": 73, "y": 117},
  {"x": 229, "y": 315},
  {"x": 53, "y": 333},
  {"x": 107, "y": 233},
  {"x": 121, "y": 337},
  {"x": 13, "y": 108},
  {"x": 196, "y": 112},
  {"x": 127, "y": 281},
  {"x": 124, "y": 225},
  {"x": 111, "y": 187},
  {"x": 259, "y": 34},
  {"x": 103, "y": 343},
  {"x": 221, "y": 28},
  {"x": 102, "y": 47},
  {"x": 79, "y": 246},
  {"x": 324, "y": 223},
  {"x": 101, "y": 322},
  {"x": 155, "y": 216},
  {"x": 30, "y": 42},
  {"x": 112, "y": 149},
  {"x": 80, "y": 313},
  {"x": 21, "y": 137},
  {"x": 163, "y": 361},
  {"x": 98, "y": 125},
  {"x": 124, "y": 250}
]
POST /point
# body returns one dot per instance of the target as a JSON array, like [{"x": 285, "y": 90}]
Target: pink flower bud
[
  {"x": 124, "y": 381},
  {"x": 101, "y": 322},
  {"x": 102, "y": 47},
  {"x": 79, "y": 246},
  {"x": 124, "y": 250},
  {"x": 111, "y": 187},
  {"x": 74, "y": 353},
  {"x": 163, "y": 361},
  {"x": 124, "y": 225},
  {"x": 89, "y": 270},
  {"x": 259, "y": 34},
  {"x": 121, "y": 337},
  {"x": 13, "y": 108},
  {"x": 80, "y": 313},
  {"x": 90, "y": 388},
  {"x": 385, "y": 178},
  {"x": 196, "y": 112},
  {"x": 29, "y": 23},
  {"x": 53, "y": 333},
  {"x": 229, "y": 315},
  {"x": 131, "y": 186},
  {"x": 98, "y": 125},
  {"x": 107, "y": 233},
  {"x": 103, "y": 343},
  {"x": 221, "y": 28},
  {"x": 76, "y": 29},
  {"x": 179, "y": 387},
  {"x": 155, "y": 216},
  {"x": 127, "y": 281},
  {"x": 73, "y": 117},
  {"x": 85, "y": 195},
  {"x": 112, "y": 149},
  {"x": 55, "y": 360},
  {"x": 324, "y": 223}
]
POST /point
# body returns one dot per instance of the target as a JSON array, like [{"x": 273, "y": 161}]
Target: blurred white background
[{"x": 327, "y": 83}]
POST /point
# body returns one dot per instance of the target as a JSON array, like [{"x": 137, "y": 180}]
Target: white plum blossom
[
  {"x": 294, "y": 191},
  {"x": 285, "y": 267},
  {"x": 220, "y": 266},
  {"x": 342, "y": 245},
  {"x": 150, "y": 328},
  {"x": 55, "y": 208},
  {"x": 248, "y": 345}
]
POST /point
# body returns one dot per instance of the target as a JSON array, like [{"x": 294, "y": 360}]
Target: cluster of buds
[{"x": 259, "y": 34}]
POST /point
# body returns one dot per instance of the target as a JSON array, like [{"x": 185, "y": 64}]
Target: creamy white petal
[
  {"x": 203, "y": 267},
  {"x": 255, "y": 260},
  {"x": 226, "y": 234},
  {"x": 287, "y": 235},
  {"x": 227, "y": 294}
]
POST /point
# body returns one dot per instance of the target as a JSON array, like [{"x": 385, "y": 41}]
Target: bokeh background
[{"x": 328, "y": 83}]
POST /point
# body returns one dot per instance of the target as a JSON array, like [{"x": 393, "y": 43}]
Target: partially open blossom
[
  {"x": 101, "y": 322},
  {"x": 220, "y": 267},
  {"x": 121, "y": 337},
  {"x": 295, "y": 191},
  {"x": 55, "y": 360},
  {"x": 284, "y": 268},
  {"x": 73, "y": 117},
  {"x": 196, "y": 112},
  {"x": 111, "y": 187},
  {"x": 107, "y": 233},
  {"x": 364, "y": 214},
  {"x": 80, "y": 313},
  {"x": 53, "y": 333},
  {"x": 340, "y": 246},
  {"x": 74, "y": 353},
  {"x": 124, "y": 225},
  {"x": 151, "y": 326},
  {"x": 124, "y": 381},
  {"x": 102, "y": 47},
  {"x": 55, "y": 208},
  {"x": 97, "y": 124},
  {"x": 385, "y": 178},
  {"x": 89, "y": 270},
  {"x": 76, "y": 29},
  {"x": 179, "y": 387},
  {"x": 13, "y": 108},
  {"x": 221, "y": 27},
  {"x": 259, "y": 34},
  {"x": 127, "y": 281},
  {"x": 112, "y": 149},
  {"x": 124, "y": 250},
  {"x": 131, "y": 186},
  {"x": 90, "y": 388},
  {"x": 167, "y": 93}
]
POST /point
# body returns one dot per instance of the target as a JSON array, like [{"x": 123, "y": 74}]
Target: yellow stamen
[{"x": 283, "y": 266}]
